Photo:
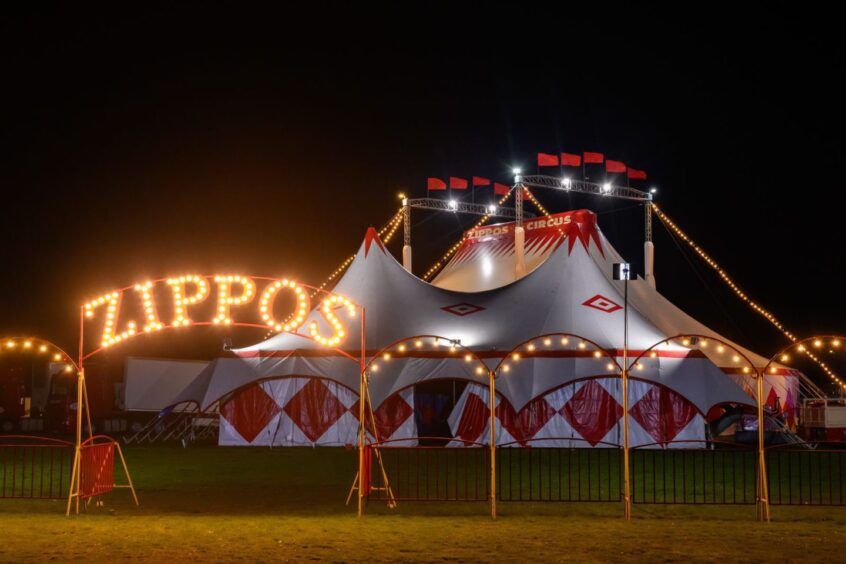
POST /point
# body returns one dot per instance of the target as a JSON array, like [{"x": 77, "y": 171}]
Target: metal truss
[
  {"x": 456, "y": 206},
  {"x": 608, "y": 190}
]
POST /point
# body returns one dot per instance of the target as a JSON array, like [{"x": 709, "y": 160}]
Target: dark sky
[{"x": 221, "y": 138}]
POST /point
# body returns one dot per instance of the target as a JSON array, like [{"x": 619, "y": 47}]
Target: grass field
[{"x": 222, "y": 504}]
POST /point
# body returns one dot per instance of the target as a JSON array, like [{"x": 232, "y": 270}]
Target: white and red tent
[{"x": 477, "y": 302}]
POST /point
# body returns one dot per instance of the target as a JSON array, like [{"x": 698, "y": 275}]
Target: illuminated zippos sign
[{"x": 231, "y": 291}]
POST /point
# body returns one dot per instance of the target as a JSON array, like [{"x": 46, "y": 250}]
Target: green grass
[{"x": 288, "y": 504}]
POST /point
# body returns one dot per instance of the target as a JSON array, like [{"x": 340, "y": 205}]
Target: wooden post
[
  {"x": 624, "y": 375},
  {"x": 627, "y": 500},
  {"x": 763, "y": 494},
  {"x": 492, "y": 400},
  {"x": 73, "y": 492},
  {"x": 361, "y": 398}
]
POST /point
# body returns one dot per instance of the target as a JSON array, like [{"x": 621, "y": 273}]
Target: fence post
[
  {"x": 492, "y": 402},
  {"x": 763, "y": 497},
  {"x": 627, "y": 500}
]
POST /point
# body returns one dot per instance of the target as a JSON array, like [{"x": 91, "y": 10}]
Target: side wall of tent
[{"x": 301, "y": 411}]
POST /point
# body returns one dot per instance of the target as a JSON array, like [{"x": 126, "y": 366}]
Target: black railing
[
  {"x": 806, "y": 477},
  {"x": 675, "y": 473},
  {"x": 715, "y": 473},
  {"x": 431, "y": 473},
  {"x": 559, "y": 474}
]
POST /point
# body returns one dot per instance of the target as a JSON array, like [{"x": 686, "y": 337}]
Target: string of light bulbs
[
  {"x": 386, "y": 233},
  {"x": 729, "y": 281},
  {"x": 744, "y": 297}
]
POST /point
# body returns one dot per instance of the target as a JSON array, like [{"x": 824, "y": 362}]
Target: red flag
[
  {"x": 614, "y": 166},
  {"x": 524, "y": 194},
  {"x": 547, "y": 160},
  {"x": 479, "y": 181},
  {"x": 594, "y": 158},
  {"x": 501, "y": 189},
  {"x": 636, "y": 174},
  {"x": 457, "y": 183},
  {"x": 435, "y": 184},
  {"x": 568, "y": 159}
]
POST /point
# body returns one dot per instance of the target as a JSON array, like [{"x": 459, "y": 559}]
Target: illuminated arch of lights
[
  {"x": 40, "y": 348},
  {"x": 233, "y": 291}
]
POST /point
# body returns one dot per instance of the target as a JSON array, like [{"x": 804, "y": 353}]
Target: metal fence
[
  {"x": 431, "y": 473},
  {"x": 716, "y": 474},
  {"x": 559, "y": 474},
  {"x": 34, "y": 467},
  {"x": 806, "y": 477}
]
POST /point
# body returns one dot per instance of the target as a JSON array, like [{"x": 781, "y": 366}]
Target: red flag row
[
  {"x": 456, "y": 183},
  {"x": 570, "y": 159}
]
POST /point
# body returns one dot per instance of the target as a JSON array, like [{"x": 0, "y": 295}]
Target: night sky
[{"x": 142, "y": 144}]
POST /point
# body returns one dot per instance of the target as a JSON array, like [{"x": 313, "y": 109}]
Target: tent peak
[{"x": 369, "y": 238}]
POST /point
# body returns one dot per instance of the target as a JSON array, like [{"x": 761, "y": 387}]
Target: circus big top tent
[{"x": 288, "y": 390}]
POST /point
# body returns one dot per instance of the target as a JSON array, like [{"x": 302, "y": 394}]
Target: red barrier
[
  {"x": 368, "y": 468},
  {"x": 97, "y": 469}
]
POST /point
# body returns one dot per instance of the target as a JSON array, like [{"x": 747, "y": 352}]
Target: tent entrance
[{"x": 434, "y": 401}]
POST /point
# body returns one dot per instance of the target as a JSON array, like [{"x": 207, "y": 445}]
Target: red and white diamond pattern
[
  {"x": 314, "y": 411},
  {"x": 307, "y": 411},
  {"x": 587, "y": 413},
  {"x": 602, "y": 303}
]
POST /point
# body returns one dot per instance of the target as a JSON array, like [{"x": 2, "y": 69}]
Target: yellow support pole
[
  {"x": 361, "y": 398},
  {"x": 492, "y": 400},
  {"x": 75, "y": 472},
  {"x": 763, "y": 494},
  {"x": 627, "y": 499}
]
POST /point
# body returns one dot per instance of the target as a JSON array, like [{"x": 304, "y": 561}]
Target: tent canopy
[{"x": 568, "y": 290}]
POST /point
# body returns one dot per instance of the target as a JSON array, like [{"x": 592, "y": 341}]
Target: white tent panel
[{"x": 153, "y": 384}]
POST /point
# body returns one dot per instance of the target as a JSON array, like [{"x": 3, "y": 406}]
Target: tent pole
[
  {"x": 492, "y": 400},
  {"x": 361, "y": 396},
  {"x": 406, "y": 235},
  {"x": 648, "y": 248},
  {"x": 519, "y": 233},
  {"x": 627, "y": 501},
  {"x": 763, "y": 496}
]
